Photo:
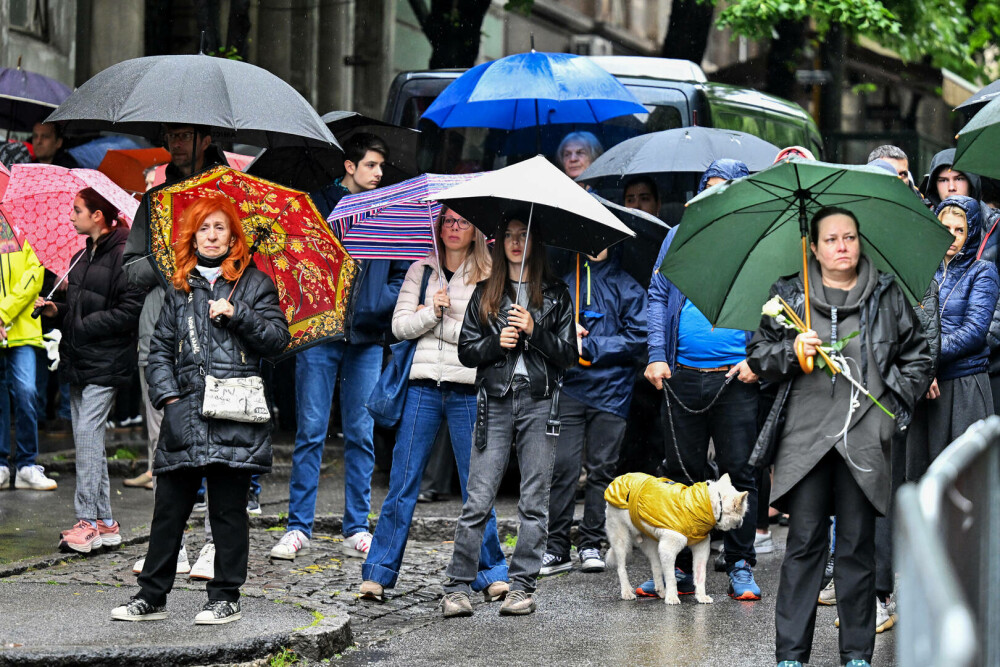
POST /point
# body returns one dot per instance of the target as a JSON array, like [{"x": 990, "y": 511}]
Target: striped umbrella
[{"x": 392, "y": 222}]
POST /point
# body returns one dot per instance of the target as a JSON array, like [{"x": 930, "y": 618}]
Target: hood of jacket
[
  {"x": 972, "y": 210},
  {"x": 939, "y": 163},
  {"x": 723, "y": 168}
]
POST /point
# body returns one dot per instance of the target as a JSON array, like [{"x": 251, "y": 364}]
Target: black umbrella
[
  {"x": 239, "y": 101},
  {"x": 983, "y": 97},
  {"x": 309, "y": 168},
  {"x": 684, "y": 149}
]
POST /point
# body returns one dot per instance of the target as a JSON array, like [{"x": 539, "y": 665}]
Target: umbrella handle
[
  {"x": 807, "y": 363},
  {"x": 576, "y": 311}
]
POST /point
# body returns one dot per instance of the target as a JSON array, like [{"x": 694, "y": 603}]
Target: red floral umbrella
[
  {"x": 310, "y": 269},
  {"x": 38, "y": 202}
]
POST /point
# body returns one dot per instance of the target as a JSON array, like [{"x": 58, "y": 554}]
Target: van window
[
  {"x": 668, "y": 107},
  {"x": 759, "y": 123}
]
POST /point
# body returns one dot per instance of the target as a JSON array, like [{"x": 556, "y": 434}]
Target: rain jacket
[
  {"x": 100, "y": 316},
  {"x": 256, "y": 330},
  {"x": 613, "y": 309},
  {"x": 662, "y": 503},
  {"x": 967, "y": 300},
  {"x": 665, "y": 300},
  {"x": 20, "y": 283}
]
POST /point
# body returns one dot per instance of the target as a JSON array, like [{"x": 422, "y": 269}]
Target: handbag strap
[
  {"x": 424, "y": 282},
  {"x": 193, "y": 334}
]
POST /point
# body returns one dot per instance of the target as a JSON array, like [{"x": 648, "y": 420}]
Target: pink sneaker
[
  {"x": 110, "y": 536},
  {"x": 82, "y": 537}
]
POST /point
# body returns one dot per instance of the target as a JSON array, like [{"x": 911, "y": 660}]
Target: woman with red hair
[
  {"x": 97, "y": 354},
  {"x": 220, "y": 320}
]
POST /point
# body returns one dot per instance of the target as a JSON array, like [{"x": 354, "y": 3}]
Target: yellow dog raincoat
[{"x": 663, "y": 504}]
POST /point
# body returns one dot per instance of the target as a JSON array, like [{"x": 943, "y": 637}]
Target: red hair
[{"x": 193, "y": 217}]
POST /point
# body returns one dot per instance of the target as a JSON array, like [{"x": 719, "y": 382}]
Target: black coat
[
  {"x": 257, "y": 330},
  {"x": 100, "y": 317},
  {"x": 550, "y": 350}
]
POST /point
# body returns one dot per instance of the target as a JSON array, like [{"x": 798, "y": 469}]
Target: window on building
[{"x": 30, "y": 17}]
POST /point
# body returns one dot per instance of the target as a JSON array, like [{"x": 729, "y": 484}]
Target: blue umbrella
[
  {"x": 532, "y": 89},
  {"x": 90, "y": 154}
]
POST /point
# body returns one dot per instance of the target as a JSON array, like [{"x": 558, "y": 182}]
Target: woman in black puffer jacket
[
  {"x": 97, "y": 354},
  {"x": 211, "y": 255}
]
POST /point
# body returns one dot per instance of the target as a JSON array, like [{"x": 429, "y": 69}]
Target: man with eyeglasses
[
  {"x": 357, "y": 361},
  {"x": 191, "y": 151}
]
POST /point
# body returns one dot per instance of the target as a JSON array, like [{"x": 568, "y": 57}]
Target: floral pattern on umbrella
[{"x": 310, "y": 269}]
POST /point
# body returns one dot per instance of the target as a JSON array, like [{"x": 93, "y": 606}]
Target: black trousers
[
  {"x": 594, "y": 437},
  {"x": 884, "y": 573},
  {"x": 176, "y": 492},
  {"x": 828, "y": 489},
  {"x": 731, "y": 424}
]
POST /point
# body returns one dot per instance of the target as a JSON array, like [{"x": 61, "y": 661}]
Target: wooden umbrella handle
[
  {"x": 805, "y": 362},
  {"x": 576, "y": 311}
]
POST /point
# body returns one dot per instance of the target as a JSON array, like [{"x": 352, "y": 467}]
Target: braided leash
[{"x": 667, "y": 393}]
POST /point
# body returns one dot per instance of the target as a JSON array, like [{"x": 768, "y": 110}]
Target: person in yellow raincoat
[{"x": 20, "y": 282}]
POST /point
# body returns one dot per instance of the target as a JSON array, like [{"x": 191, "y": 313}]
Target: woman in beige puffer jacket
[{"x": 440, "y": 387}]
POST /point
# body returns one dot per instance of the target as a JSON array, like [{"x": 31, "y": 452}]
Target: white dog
[{"x": 661, "y": 518}]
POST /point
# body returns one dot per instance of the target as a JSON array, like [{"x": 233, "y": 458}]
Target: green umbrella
[
  {"x": 737, "y": 238},
  {"x": 978, "y": 141}
]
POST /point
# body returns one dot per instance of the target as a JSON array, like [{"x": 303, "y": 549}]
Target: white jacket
[{"x": 430, "y": 362}]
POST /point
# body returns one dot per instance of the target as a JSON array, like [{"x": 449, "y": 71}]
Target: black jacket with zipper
[
  {"x": 256, "y": 330},
  {"x": 100, "y": 317},
  {"x": 547, "y": 352}
]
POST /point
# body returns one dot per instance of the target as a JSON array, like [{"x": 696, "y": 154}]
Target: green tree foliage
[{"x": 948, "y": 33}]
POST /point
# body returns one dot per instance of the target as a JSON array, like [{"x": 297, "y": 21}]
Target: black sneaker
[
  {"x": 216, "y": 612},
  {"x": 138, "y": 609},
  {"x": 828, "y": 571},
  {"x": 591, "y": 561},
  {"x": 551, "y": 564},
  {"x": 253, "y": 504}
]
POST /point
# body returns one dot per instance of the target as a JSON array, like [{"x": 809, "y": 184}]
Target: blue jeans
[
  {"x": 316, "y": 372},
  {"x": 422, "y": 414},
  {"x": 17, "y": 380}
]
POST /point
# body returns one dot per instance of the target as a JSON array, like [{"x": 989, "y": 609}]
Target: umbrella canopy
[
  {"x": 981, "y": 98},
  {"x": 9, "y": 241},
  {"x": 309, "y": 267},
  {"x": 401, "y": 141},
  {"x": 638, "y": 253},
  {"x": 395, "y": 222},
  {"x": 90, "y": 155},
  {"x": 682, "y": 149},
  {"x": 125, "y": 167},
  {"x": 39, "y": 200},
  {"x": 978, "y": 141},
  {"x": 27, "y": 98},
  {"x": 531, "y": 89},
  {"x": 737, "y": 238},
  {"x": 561, "y": 212},
  {"x": 239, "y": 101}
]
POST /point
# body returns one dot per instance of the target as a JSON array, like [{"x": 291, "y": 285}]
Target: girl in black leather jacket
[{"x": 520, "y": 340}]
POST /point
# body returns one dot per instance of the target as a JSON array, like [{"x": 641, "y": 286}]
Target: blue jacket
[
  {"x": 613, "y": 309},
  {"x": 376, "y": 287},
  {"x": 665, "y": 300},
  {"x": 967, "y": 298}
]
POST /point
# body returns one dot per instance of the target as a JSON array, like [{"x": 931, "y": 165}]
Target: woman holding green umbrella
[{"x": 831, "y": 443}]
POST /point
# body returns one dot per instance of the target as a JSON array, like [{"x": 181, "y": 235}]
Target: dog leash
[{"x": 667, "y": 393}]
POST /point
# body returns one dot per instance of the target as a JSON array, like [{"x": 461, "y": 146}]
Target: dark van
[{"x": 676, "y": 92}]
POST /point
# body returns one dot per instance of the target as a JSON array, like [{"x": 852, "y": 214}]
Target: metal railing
[{"x": 947, "y": 551}]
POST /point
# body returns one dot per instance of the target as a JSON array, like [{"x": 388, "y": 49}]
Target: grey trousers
[
  {"x": 153, "y": 418},
  {"x": 91, "y": 405},
  {"x": 516, "y": 419}
]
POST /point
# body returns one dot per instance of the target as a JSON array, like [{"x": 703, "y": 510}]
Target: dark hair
[
  {"x": 94, "y": 202},
  {"x": 359, "y": 144},
  {"x": 887, "y": 151},
  {"x": 826, "y": 212},
  {"x": 538, "y": 273},
  {"x": 57, "y": 128},
  {"x": 642, "y": 180},
  {"x": 200, "y": 130}
]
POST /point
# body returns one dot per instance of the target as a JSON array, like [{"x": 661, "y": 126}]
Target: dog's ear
[
  {"x": 725, "y": 481},
  {"x": 740, "y": 503}
]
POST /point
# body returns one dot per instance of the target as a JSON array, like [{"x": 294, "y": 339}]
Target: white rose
[{"x": 772, "y": 308}]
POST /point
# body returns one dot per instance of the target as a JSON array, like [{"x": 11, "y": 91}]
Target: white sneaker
[
  {"x": 885, "y": 615},
  {"x": 4, "y": 478},
  {"x": 33, "y": 477},
  {"x": 356, "y": 546},
  {"x": 828, "y": 596},
  {"x": 290, "y": 544},
  {"x": 183, "y": 566},
  {"x": 763, "y": 543},
  {"x": 204, "y": 567}
]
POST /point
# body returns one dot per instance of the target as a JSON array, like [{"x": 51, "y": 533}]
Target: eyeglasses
[
  {"x": 457, "y": 223},
  {"x": 171, "y": 137}
]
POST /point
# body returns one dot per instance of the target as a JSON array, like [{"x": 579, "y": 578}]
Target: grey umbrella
[
  {"x": 685, "y": 149},
  {"x": 980, "y": 99},
  {"x": 239, "y": 101}
]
